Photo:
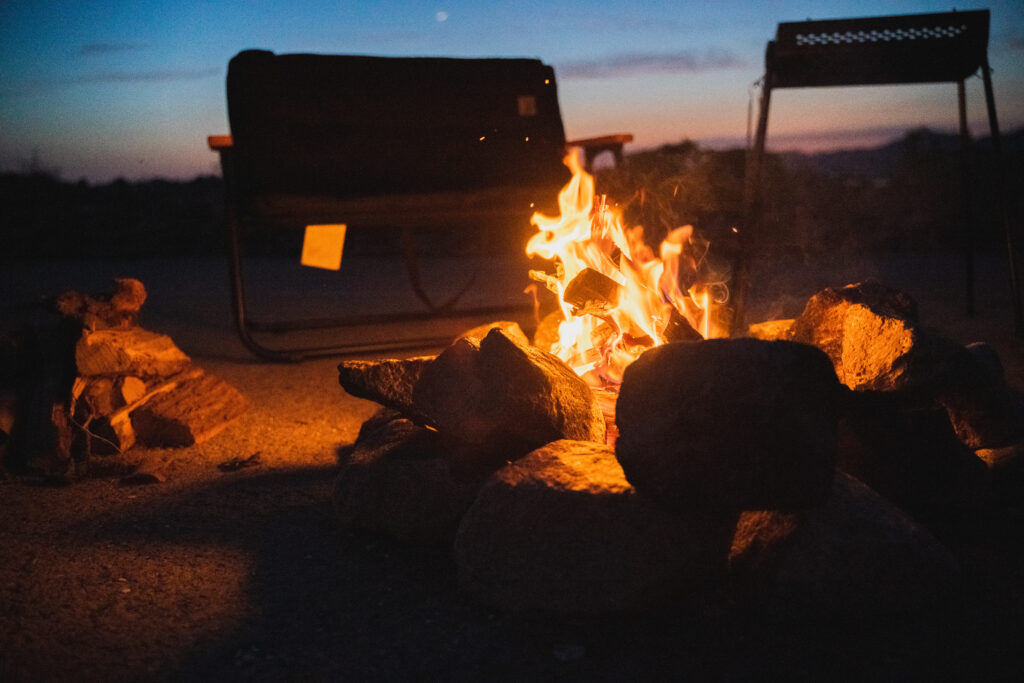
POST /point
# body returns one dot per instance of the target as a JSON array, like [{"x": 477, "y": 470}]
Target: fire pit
[{"x": 627, "y": 459}]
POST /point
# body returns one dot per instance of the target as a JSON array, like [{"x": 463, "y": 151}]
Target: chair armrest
[
  {"x": 605, "y": 143},
  {"x": 219, "y": 142}
]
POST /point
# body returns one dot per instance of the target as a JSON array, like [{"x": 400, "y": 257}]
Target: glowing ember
[{"x": 617, "y": 298}]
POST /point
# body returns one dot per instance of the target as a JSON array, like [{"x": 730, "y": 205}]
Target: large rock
[
  {"x": 984, "y": 411},
  {"x": 910, "y": 454},
  {"x": 388, "y": 382},
  {"x": 854, "y": 556},
  {"x": 561, "y": 530},
  {"x": 509, "y": 327},
  {"x": 734, "y": 423},
  {"x": 397, "y": 481},
  {"x": 871, "y": 334},
  {"x": 499, "y": 399}
]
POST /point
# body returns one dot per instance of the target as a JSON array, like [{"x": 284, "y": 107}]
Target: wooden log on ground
[
  {"x": 134, "y": 351},
  {"x": 196, "y": 408}
]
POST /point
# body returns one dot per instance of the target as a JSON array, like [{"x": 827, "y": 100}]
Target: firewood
[
  {"x": 194, "y": 410},
  {"x": 134, "y": 351},
  {"x": 680, "y": 329},
  {"x": 592, "y": 292},
  {"x": 117, "y": 309}
]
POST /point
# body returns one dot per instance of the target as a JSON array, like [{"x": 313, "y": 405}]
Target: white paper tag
[{"x": 322, "y": 246}]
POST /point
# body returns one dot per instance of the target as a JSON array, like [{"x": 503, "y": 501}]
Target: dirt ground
[{"x": 244, "y": 575}]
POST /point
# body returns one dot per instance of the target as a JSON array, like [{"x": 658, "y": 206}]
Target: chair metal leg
[{"x": 966, "y": 198}]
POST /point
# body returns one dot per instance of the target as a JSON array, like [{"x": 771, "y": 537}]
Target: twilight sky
[{"x": 119, "y": 88}]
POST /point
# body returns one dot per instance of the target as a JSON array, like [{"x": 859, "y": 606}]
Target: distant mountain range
[{"x": 881, "y": 162}]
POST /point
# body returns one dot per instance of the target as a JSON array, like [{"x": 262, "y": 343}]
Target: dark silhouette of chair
[
  {"x": 916, "y": 48},
  {"x": 379, "y": 143}
]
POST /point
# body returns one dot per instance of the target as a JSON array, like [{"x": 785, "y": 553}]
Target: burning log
[
  {"x": 679, "y": 329},
  {"x": 498, "y": 400},
  {"x": 729, "y": 423},
  {"x": 560, "y": 530},
  {"x": 397, "y": 481},
  {"x": 592, "y": 293},
  {"x": 854, "y": 556}
]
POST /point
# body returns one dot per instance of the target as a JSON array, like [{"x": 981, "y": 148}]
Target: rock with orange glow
[
  {"x": 561, "y": 530},
  {"x": 984, "y": 411},
  {"x": 388, "y": 381},
  {"x": 397, "y": 481},
  {"x": 509, "y": 327},
  {"x": 822, "y": 321},
  {"x": 497, "y": 399},
  {"x": 871, "y": 334},
  {"x": 856, "y": 555},
  {"x": 729, "y": 423}
]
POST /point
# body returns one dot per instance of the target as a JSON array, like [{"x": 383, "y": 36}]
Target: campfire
[
  {"x": 626, "y": 458},
  {"x": 616, "y": 299}
]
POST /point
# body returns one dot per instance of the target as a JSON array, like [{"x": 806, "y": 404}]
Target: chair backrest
[
  {"x": 350, "y": 125},
  {"x": 912, "y": 48}
]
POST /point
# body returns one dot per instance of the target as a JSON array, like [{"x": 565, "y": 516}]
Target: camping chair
[
  {"x": 379, "y": 145},
  {"x": 916, "y": 48}
]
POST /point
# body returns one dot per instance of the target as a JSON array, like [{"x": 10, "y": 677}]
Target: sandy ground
[{"x": 244, "y": 575}]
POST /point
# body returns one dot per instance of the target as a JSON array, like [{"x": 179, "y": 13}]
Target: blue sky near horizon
[{"x": 117, "y": 88}]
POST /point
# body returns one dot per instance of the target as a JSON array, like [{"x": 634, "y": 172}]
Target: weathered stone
[
  {"x": 871, "y": 334},
  {"x": 822, "y": 320},
  {"x": 854, "y": 556},
  {"x": 561, "y": 530},
  {"x": 501, "y": 399},
  {"x": 546, "y": 335},
  {"x": 509, "y": 327},
  {"x": 999, "y": 458},
  {"x": 397, "y": 481},
  {"x": 909, "y": 454},
  {"x": 734, "y": 423},
  {"x": 772, "y": 330},
  {"x": 388, "y": 382},
  {"x": 890, "y": 354},
  {"x": 984, "y": 411},
  {"x": 132, "y": 351}
]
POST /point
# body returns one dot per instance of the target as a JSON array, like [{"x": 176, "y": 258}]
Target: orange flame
[{"x": 599, "y": 341}]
